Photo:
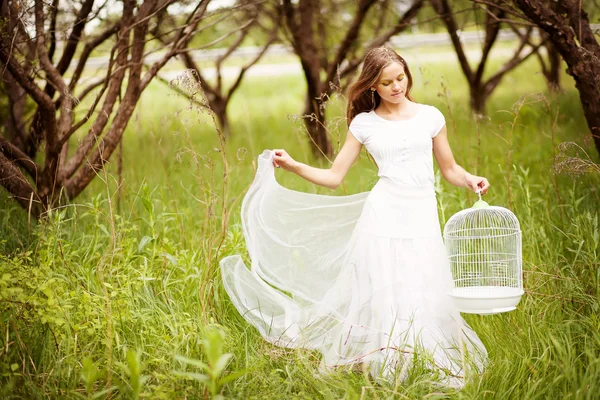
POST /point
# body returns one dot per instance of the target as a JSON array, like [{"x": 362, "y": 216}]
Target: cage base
[
  {"x": 486, "y": 300},
  {"x": 488, "y": 311}
]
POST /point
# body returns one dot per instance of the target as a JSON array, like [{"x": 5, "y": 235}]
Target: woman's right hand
[{"x": 282, "y": 159}]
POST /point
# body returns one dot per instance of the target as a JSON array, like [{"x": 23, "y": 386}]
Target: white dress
[{"x": 361, "y": 278}]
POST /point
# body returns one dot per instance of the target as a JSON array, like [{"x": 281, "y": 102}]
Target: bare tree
[
  {"x": 249, "y": 18},
  {"x": 329, "y": 53},
  {"x": 28, "y": 62},
  {"x": 568, "y": 27},
  {"x": 551, "y": 63},
  {"x": 480, "y": 88}
]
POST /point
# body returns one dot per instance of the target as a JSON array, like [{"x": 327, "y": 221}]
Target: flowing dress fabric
[{"x": 361, "y": 278}]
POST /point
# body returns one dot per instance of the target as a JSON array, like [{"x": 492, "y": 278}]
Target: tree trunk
[
  {"x": 481, "y": 89},
  {"x": 325, "y": 60},
  {"x": 588, "y": 84},
  {"x": 314, "y": 121},
  {"x": 223, "y": 121},
  {"x": 578, "y": 47},
  {"x": 553, "y": 73},
  {"x": 39, "y": 187},
  {"x": 478, "y": 99},
  {"x": 219, "y": 108}
]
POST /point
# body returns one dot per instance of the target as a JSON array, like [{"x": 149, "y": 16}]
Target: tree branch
[
  {"x": 289, "y": 11},
  {"x": 88, "y": 89},
  {"x": 109, "y": 142},
  {"x": 178, "y": 90},
  {"x": 442, "y": 8},
  {"x": 242, "y": 33},
  {"x": 16, "y": 184},
  {"x": 492, "y": 27},
  {"x": 181, "y": 40},
  {"x": 70, "y": 47},
  {"x": 323, "y": 42},
  {"x": 191, "y": 64},
  {"x": 579, "y": 21},
  {"x": 66, "y": 117},
  {"x": 270, "y": 41},
  {"x": 493, "y": 4},
  {"x": 113, "y": 91},
  {"x": 494, "y": 80},
  {"x": 53, "y": 15},
  {"x": 403, "y": 22},
  {"x": 87, "y": 50},
  {"x": 206, "y": 45},
  {"x": 15, "y": 123},
  {"x": 350, "y": 38},
  {"x": 14, "y": 154},
  {"x": 36, "y": 93}
]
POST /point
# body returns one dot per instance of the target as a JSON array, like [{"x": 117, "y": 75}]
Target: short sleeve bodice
[{"x": 402, "y": 149}]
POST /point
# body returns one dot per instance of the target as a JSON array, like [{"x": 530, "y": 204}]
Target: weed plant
[{"x": 118, "y": 294}]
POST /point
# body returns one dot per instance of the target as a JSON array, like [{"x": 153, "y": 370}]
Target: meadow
[{"x": 118, "y": 293}]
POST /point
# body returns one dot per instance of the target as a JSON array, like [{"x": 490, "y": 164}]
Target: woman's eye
[{"x": 385, "y": 84}]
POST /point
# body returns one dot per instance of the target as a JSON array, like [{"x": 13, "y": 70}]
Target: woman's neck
[{"x": 396, "y": 109}]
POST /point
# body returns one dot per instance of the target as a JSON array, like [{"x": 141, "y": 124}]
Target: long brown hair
[{"x": 359, "y": 95}]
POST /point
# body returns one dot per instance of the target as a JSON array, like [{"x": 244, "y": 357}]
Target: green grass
[{"x": 118, "y": 293}]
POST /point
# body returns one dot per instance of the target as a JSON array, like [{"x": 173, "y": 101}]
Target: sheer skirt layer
[{"x": 361, "y": 278}]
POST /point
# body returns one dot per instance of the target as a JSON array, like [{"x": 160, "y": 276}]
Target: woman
[{"x": 361, "y": 278}]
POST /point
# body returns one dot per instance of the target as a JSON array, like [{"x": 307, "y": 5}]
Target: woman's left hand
[{"x": 477, "y": 183}]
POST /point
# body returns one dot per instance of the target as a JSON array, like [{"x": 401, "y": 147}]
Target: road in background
[
  {"x": 413, "y": 57},
  {"x": 410, "y": 45}
]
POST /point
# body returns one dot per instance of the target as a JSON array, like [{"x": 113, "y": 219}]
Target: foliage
[
  {"x": 119, "y": 295},
  {"x": 217, "y": 362}
]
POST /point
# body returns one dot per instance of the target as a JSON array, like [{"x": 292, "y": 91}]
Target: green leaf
[
  {"x": 219, "y": 366},
  {"x": 14, "y": 367},
  {"x": 192, "y": 361},
  {"x": 171, "y": 259},
  {"x": 145, "y": 240},
  {"x": 193, "y": 375},
  {"x": 148, "y": 205},
  {"x": 213, "y": 344},
  {"x": 103, "y": 393},
  {"x": 103, "y": 229},
  {"x": 231, "y": 377}
]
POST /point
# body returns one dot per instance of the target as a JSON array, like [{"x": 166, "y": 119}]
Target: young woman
[{"x": 361, "y": 278}]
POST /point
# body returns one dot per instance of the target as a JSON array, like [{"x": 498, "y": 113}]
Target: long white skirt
[{"x": 361, "y": 278}]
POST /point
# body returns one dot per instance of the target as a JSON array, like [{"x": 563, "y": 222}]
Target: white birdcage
[{"x": 483, "y": 244}]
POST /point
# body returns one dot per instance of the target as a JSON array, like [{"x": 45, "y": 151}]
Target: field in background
[{"x": 119, "y": 294}]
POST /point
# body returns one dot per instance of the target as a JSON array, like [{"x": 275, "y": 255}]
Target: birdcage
[{"x": 483, "y": 244}]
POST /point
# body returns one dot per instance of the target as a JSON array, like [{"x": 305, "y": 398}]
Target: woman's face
[{"x": 392, "y": 83}]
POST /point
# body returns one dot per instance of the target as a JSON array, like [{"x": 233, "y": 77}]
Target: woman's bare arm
[
  {"x": 331, "y": 177},
  {"x": 451, "y": 171}
]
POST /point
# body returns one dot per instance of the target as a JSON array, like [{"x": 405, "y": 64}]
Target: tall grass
[{"x": 118, "y": 295}]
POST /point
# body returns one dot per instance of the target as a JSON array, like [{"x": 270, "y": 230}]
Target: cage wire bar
[{"x": 484, "y": 250}]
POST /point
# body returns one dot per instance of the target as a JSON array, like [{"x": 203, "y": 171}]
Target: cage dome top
[{"x": 491, "y": 217}]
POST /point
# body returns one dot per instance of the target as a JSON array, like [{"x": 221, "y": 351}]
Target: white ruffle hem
[{"x": 361, "y": 278}]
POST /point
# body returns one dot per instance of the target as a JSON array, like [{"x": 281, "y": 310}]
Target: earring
[{"x": 373, "y": 97}]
